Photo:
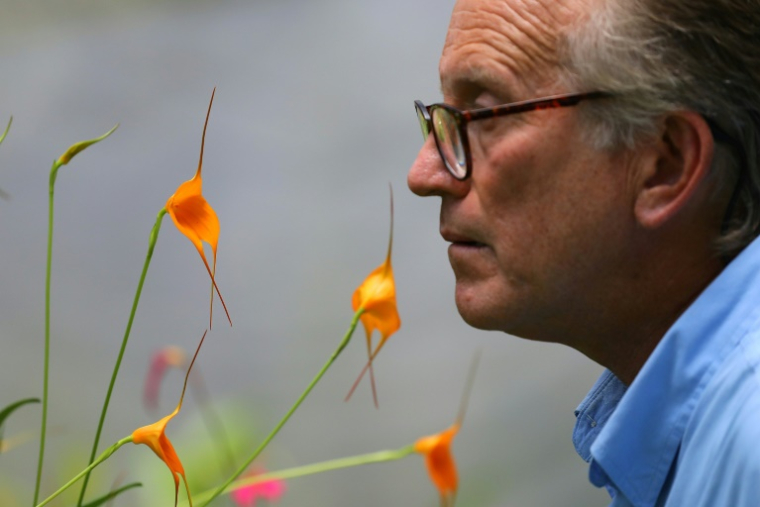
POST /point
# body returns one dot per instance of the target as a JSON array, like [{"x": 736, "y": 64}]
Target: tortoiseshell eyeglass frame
[{"x": 462, "y": 118}]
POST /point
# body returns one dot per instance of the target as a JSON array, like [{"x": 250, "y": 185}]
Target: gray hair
[{"x": 664, "y": 55}]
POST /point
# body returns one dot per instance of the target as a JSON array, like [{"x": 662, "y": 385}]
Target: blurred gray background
[{"x": 312, "y": 118}]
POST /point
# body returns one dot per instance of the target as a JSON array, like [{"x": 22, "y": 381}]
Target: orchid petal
[{"x": 196, "y": 219}]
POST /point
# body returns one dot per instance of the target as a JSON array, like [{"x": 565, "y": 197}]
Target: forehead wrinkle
[
  {"x": 473, "y": 70},
  {"x": 496, "y": 41},
  {"x": 562, "y": 13},
  {"x": 541, "y": 29}
]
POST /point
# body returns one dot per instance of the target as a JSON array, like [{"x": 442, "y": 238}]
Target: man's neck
[{"x": 625, "y": 349}]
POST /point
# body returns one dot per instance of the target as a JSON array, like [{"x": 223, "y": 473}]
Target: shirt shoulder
[{"x": 718, "y": 463}]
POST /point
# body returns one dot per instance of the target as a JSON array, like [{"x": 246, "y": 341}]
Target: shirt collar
[
  {"x": 632, "y": 436},
  {"x": 594, "y": 411}
]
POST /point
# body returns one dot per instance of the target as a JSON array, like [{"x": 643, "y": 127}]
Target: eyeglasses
[{"x": 449, "y": 124}]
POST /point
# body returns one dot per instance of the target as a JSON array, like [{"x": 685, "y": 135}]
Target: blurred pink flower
[
  {"x": 270, "y": 490},
  {"x": 167, "y": 357}
]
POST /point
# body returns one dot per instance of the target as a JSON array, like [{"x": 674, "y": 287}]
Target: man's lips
[{"x": 459, "y": 239}]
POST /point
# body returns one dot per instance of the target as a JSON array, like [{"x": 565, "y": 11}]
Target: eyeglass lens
[
  {"x": 449, "y": 141},
  {"x": 423, "y": 122},
  {"x": 445, "y": 130}
]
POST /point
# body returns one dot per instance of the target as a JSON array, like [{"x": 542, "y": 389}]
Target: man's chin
[
  {"x": 478, "y": 312},
  {"x": 477, "y": 321},
  {"x": 490, "y": 308}
]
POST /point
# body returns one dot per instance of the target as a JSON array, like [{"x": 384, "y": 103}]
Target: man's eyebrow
[{"x": 468, "y": 83}]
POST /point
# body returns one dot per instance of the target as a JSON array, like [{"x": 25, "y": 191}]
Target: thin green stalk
[
  {"x": 64, "y": 159},
  {"x": 106, "y": 454},
  {"x": 262, "y": 446},
  {"x": 317, "y": 468},
  {"x": 46, "y": 364},
  {"x": 151, "y": 246},
  {"x": 213, "y": 422}
]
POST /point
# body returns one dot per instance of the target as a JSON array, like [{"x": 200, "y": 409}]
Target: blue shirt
[{"x": 686, "y": 432}]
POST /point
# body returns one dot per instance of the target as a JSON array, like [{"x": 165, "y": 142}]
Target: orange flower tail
[
  {"x": 212, "y": 274},
  {"x": 203, "y": 137},
  {"x": 367, "y": 366},
  {"x": 371, "y": 372}
]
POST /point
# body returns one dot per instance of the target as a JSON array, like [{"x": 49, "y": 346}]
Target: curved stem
[
  {"x": 262, "y": 446},
  {"x": 213, "y": 422},
  {"x": 317, "y": 468},
  {"x": 151, "y": 246},
  {"x": 46, "y": 364},
  {"x": 106, "y": 454}
]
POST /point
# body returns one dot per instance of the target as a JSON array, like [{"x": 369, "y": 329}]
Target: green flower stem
[
  {"x": 46, "y": 364},
  {"x": 262, "y": 446},
  {"x": 106, "y": 454},
  {"x": 151, "y": 246},
  {"x": 213, "y": 422},
  {"x": 317, "y": 468},
  {"x": 60, "y": 161}
]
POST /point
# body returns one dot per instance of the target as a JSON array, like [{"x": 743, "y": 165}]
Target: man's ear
[{"x": 672, "y": 173}]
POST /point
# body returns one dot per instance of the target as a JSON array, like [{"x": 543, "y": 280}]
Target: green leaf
[
  {"x": 112, "y": 494},
  {"x": 3, "y": 193},
  {"x": 76, "y": 148},
  {"x": 9, "y": 410},
  {"x": 2, "y": 137}
]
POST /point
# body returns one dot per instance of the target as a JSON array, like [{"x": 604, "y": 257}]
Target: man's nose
[{"x": 429, "y": 176}]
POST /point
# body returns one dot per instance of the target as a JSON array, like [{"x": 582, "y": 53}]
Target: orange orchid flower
[
  {"x": 440, "y": 462},
  {"x": 437, "y": 448},
  {"x": 376, "y": 296},
  {"x": 154, "y": 436},
  {"x": 196, "y": 219}
]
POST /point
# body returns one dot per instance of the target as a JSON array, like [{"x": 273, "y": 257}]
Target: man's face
[{"x": 536, "y": 231}]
